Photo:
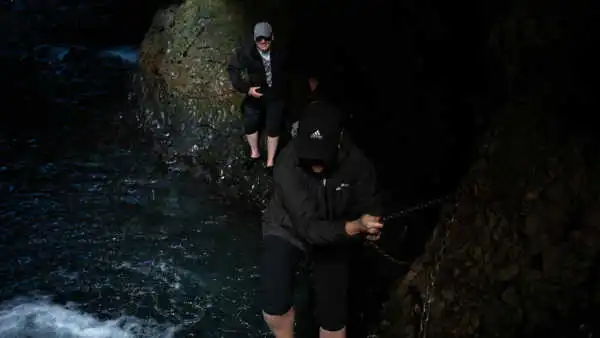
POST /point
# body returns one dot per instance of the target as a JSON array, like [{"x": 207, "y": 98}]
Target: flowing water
[
  {"x": 96, "y": 239},
  {"x": 96, "y": 247}
]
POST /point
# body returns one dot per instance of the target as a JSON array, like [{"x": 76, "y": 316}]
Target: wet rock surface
[
  {"x": 522, "y": 252},
  {"x": 187, "y": 101},
  {"x": 518, "y": 254}
]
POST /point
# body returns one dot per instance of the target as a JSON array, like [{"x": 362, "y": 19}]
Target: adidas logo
[{"x": 316, "y": 135}]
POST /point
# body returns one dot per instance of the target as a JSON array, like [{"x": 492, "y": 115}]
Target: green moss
[{"x": 209, "y": 24}]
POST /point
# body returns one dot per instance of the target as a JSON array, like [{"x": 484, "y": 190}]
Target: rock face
[
  {"x": 186, "y": 97},
  {"x": 521, "y": 256},
  {"x": 187, "y": 46},
  {"x": 523, "y": 249}
]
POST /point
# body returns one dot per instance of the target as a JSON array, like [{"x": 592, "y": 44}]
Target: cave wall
[
  {"x": 521, "y": 259},
  {"x": 522, "y": 255}
]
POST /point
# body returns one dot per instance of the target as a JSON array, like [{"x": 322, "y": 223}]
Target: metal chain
[
  {"x": 433, "y": 274},
  {"x": 399, "y": 214},
  {"x": 437, "y": 259},
  {"x": 420, "y": 206},
  {"x": 385, "y": 254}
]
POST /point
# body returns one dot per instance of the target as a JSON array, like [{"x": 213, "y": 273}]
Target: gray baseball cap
[{"x": 262, "y": 29}]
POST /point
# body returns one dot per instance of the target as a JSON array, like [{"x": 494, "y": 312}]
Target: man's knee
[
  {"x": 278, "y": 308},
  {"x": 252, "y": 119},
  {"x": 273, "y": 131},
  {"x": 274, "y": 118},
  {"x": 281, "y": 325},
  {"x": 279, "y": 263},
  {"x": 328, "y": 333},
  {"x": 331, "y": 286},
  {"x": 334, "y": 320},
  {"x": 332, "y": 308},
  {"x": 279, "y": 320}
]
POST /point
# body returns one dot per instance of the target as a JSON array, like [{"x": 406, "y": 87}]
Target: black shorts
[
  {"x": 256, "y": 112},
  {"x": 280, "y": 262}
]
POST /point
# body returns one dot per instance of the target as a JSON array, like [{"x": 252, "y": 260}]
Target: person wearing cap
[
  {"x": 263, "y": 87},
  {"x": 314, "y": 95},
  {"x": 324, "y": 202}
]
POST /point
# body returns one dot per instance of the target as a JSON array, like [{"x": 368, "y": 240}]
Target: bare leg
[
  {"x": 271, "y": 150},
  {"x": 282, "y": 326},
  {"x": 253, "y": 143},
  {"x": 332, "y": 334}
]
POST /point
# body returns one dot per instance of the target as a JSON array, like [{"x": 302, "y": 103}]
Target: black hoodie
[{"x": 307, "y": 211}]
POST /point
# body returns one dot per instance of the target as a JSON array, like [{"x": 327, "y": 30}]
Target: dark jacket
[
  {"x": 246, "y": 70},
  {"x": 309, "y": 212}
]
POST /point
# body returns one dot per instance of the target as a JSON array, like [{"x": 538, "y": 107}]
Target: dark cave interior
[
  {"x": 423, "y": 80},
  {"x": 419, "y": 78}
]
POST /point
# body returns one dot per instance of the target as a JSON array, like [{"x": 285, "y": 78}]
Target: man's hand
[
  {"x": 253, "y": 91},
  {"x": 373, "y": 238},
  {"x": 371, "y": 223},
  {"x": 373, "y": 227},
  {"x": 365, "y": 224}
]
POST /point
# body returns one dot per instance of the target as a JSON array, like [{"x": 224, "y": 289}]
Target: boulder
[{"x": 187, "y": 100}]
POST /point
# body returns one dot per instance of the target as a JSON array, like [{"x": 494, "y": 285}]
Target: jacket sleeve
[
  {"x": 368, "y": 197},
  {"x": 281, "y": 88},
  {"x": 302, "y": 210},
  {"x": 235, "y": 68}
]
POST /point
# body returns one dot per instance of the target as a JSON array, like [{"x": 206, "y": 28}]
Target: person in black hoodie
[
  {"x": 324, "y": 202},
  {"x": 314, "y": 95},
  {"x": 263, "y": 86},
  {"x": 317, "y": 92}
]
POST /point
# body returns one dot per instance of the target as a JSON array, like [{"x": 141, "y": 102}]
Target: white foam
[
  {"x": 128, "y": 54},
  {"x": 41, "y": 318}
]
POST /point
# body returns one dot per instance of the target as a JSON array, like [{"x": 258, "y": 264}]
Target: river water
[
  {"x": 97, "y": 239},
  {"x": 94, "y": 246}
]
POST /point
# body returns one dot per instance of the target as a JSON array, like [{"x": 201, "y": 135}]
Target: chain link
[
  {"x": 433, "y": 273},
  {"x": 420, "y": 206},
  {"x": 384, "y": 254},
  {"x": 399, "y": 214}
]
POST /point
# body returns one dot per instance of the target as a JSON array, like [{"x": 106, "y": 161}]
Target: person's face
[
  {"x": 314, "y": 166},
  {"x": 264, "y": 42},
  {"x": 317, "y": 168},
  {"x": 312, "y": 83}
]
